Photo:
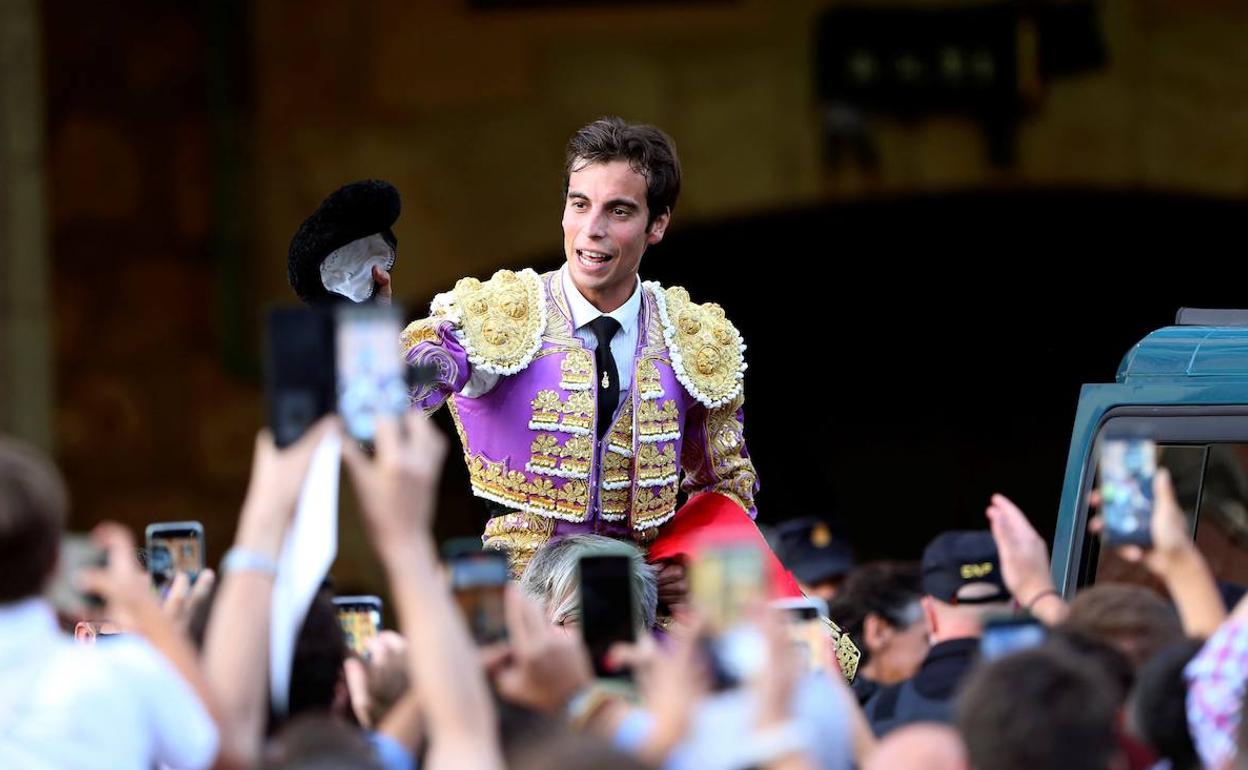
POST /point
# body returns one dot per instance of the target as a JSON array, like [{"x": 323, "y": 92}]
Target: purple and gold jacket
[{"x": 529, "y": 442}]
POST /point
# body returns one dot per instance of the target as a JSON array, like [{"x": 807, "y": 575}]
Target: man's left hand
[{"x": 673, "y": 585}]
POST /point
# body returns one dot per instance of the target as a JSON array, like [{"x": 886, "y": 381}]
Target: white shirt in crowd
[{"x": 117, "y": 704}]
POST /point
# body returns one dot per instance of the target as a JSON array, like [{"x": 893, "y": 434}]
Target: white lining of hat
[{"x": 348, "y": 270}]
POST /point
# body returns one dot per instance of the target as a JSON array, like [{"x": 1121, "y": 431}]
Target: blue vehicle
[{"x": 1186, "y": 387}]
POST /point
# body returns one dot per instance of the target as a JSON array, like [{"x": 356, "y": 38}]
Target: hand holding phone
[{"x": 727, "y": 580}]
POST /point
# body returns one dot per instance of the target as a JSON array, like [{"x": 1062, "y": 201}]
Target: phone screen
[
  {"x": 371, "y": 374},
  {"x": 724, "y": 580},
  {"x": 606, "y": 607},
  {"x": 360, "y": 618},
  {"x": 173, "y": 548},
  {"x": 1127, "y": 468},
  {"x": 1005, "y": 636},
  {"x": 478, "y": 579}
]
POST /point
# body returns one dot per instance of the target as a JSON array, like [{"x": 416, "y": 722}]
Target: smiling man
[{"x": 586, "y": 399}]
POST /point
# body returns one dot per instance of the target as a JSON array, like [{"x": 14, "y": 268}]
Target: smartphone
[
  {"x": 809, "y": 629},
  {"x": 607, "y": 614},
  {"x": 478, "y": 578},
  {"x": 1008, "y": 634},
  {"x": 77, "y": 553},
  {"x": 360, "y": 618},
  {"x": 725, "y": 580},
  {"x": 371, "y": 375},
  {"x": 299, "y": 370},
  {"x": 173, "y": 547},
  {"x": 1127, "y": 467}
]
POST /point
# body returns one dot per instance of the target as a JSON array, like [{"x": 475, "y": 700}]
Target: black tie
[{"x": 604, "y": 328}]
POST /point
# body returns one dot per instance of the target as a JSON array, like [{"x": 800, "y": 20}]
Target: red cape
[{"x": 712, "y": 518}]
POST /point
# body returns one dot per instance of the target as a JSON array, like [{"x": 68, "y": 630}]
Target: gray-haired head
[{"x": 553, "y": 578}]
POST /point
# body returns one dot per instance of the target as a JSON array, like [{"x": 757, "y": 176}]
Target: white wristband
[{"x": 243, "y": 560}]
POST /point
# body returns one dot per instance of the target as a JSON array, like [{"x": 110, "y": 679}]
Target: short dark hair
[
  {"x": 1038, "y": 709},
  {"x": 889, "y": 590},
  {"x": 649, "y": 152},
  {"x": 1159, "y": 705},
  {"x": 319, "y": 653},
  {"x": 33, "y": 506}
]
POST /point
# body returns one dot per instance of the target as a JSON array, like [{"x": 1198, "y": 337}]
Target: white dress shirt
[{"x": 623, "y": 344}]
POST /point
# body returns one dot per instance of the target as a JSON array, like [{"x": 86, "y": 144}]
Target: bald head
[{"x": 924, "y": 746}]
